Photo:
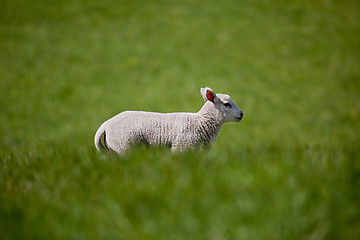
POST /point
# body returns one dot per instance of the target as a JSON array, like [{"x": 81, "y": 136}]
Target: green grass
[{"x": 289, "y": 170}]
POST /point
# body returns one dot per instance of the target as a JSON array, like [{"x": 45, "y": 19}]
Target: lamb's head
[{"x": 223, "y": 104}]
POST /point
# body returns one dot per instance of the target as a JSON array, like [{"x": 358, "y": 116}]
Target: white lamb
[{"x": 180, "y": 131}]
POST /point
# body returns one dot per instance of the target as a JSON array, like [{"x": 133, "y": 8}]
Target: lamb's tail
[{"x": 99, "y": 133}]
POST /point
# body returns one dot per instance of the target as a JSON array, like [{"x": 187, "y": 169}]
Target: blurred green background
[{"x": 289, "y": 170}]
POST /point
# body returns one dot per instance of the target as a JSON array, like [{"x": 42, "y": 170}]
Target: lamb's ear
[{"x": 209, "y": 95}]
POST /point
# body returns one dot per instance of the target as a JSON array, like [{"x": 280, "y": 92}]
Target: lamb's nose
[{"x": 241, "y": 114}]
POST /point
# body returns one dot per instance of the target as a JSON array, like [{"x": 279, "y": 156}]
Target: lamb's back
[{"x": 152, "y": 127}]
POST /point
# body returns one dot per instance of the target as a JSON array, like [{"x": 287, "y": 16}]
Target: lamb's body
[{"x": 178, "y": 130}]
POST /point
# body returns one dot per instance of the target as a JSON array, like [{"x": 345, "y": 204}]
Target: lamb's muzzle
[
  {"x": 180, "y": 131},
  {"x": 240, "y": 117}
]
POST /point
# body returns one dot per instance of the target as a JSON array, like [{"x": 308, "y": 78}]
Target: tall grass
[{"x": 289, "y": 170}]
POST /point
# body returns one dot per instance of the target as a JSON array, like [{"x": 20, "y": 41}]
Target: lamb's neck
[
  {"x": 209, "y": 113},
  {"x": 210, "y": 121}
]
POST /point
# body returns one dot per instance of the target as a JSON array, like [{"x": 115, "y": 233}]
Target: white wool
[{"x": 180, "y": 131}]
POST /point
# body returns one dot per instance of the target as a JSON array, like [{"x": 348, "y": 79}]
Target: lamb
[{"x": 179, "y": 131}]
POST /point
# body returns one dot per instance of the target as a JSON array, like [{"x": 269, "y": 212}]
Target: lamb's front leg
[
  {"x": 176, "y": 148},
  {"x": 182, "y": 146}
]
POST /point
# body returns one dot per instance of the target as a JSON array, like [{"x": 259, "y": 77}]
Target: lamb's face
[{"x": 225, "y": 104}]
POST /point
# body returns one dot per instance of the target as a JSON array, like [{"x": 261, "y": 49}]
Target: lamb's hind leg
[{"x": 118, "y": 146}]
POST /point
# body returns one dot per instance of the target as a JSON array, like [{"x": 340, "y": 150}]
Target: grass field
[{"x": 289, "y": 170}]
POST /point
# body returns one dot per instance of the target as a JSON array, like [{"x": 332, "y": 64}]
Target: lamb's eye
[{"x": 228, "y": 105}]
